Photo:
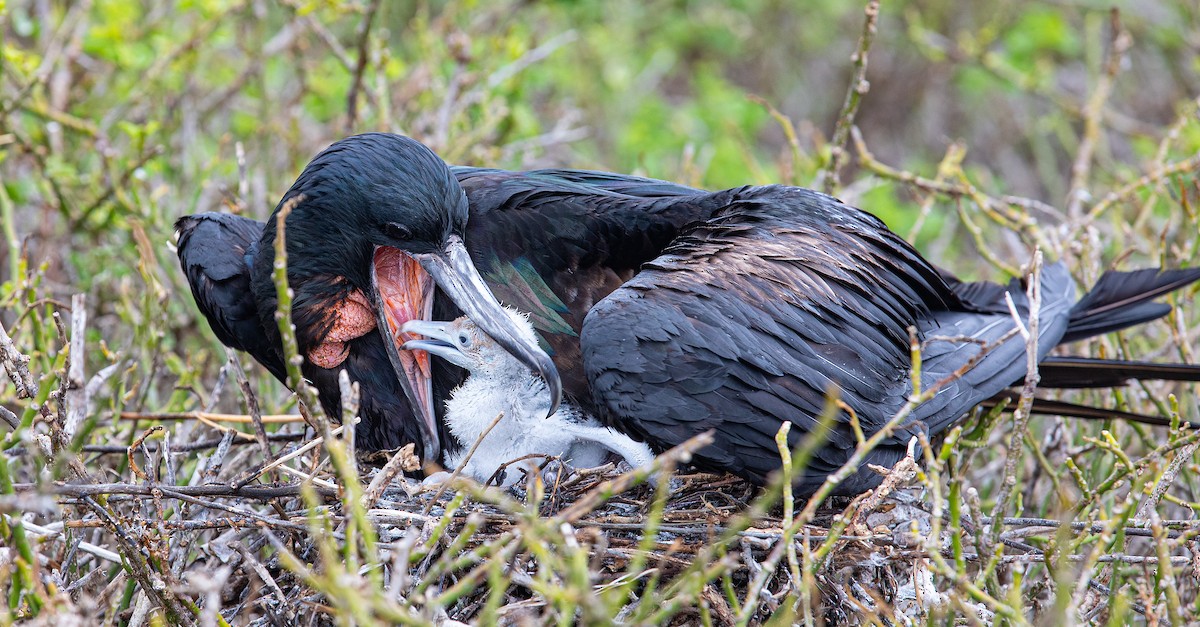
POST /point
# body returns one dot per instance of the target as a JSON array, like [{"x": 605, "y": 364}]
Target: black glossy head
[
  {"x": 361, "y": 197},
  {"x": 365, "y": 191}
]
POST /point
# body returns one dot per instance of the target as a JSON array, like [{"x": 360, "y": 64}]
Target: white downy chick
[{"x": 498, "y": 382}]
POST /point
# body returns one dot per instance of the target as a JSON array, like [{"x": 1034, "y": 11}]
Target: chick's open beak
[{"x": 440, "y": 340}]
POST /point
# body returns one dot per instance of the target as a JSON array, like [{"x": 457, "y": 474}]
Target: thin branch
[
  {"x": 1029, "y": 330},
  {"x": 209, "y": 417},
  {"x": 258, "y": 472},
  {"x": 1093, "y": 116},
  {"x": 256, "y": 492},
  {"x": 405, "y": 460},
  {"x": 965, "y": 189},
  {"x": 463, "y": 464},
  {"x": 76, "y": 398},
  {"x": 16, "y": 364},
  {"x": 199, "y": 445},
  {"x": 356, "y": 84},
  {"x": 1189, "y": 165},
  {"x": 86, "y": 547},
  {"x": 829, "y": 178},
  {"x": 9, "y": 417},
  {"x": 673, "y": 458},
  {"x": 309, "y": 401},
  {"x": 256, "y": 416}
]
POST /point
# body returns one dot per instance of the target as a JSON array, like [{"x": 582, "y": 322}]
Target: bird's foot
[
  {"x": 673, "y": 484},
  {"x": 435, "y": 480},
  {"x": 556, "y": 471}
]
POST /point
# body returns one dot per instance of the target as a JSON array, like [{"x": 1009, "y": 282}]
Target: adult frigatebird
[
  {"x": 667, "y": 310},
  {"x": 535, "y": 235}
]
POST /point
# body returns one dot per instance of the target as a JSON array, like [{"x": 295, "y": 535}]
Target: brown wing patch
[{"x": 581, "y": 290}]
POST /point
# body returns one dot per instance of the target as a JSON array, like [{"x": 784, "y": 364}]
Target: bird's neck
[
  {"x": 475, "y": 404},
  {"x": 325, "y": 264},
  {"x": 321, "y": 242}
]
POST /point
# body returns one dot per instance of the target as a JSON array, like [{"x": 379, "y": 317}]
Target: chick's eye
[
  {"x": 397, "y": 231},
  {"x": 464, "y": 339}
]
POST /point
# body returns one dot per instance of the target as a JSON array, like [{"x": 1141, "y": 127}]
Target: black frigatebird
[
  {"x": 535, "y": 235},
  {"x": 667, "y": 310}
]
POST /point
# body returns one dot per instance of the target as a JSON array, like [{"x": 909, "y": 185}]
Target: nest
[{"x": 248, "y": 552}]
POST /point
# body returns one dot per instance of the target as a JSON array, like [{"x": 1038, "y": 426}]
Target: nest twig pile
[{"x": 566, "y": 543}]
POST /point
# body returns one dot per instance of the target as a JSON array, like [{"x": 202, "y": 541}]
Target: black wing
[
  {"x": 579, "y": 181},
  {"x": 750, "y": 318},
  {"x": 216, "y": 251},
  {"x": 555, "y": 242}
]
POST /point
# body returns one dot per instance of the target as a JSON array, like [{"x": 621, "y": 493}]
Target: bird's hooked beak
[
  {"x": 456, "y": 275},
  {"x": 404, "y": 291},
  {"x": 440, "y": 340}
]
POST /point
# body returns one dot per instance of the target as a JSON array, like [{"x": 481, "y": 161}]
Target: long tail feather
[
  {"x": 1049, "y": 407},
  {"x": 1088, "y": 372},
  {"x": 1123, "y": 299}
]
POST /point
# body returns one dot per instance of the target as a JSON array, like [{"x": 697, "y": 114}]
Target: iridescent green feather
[{"x": 519, "y": 285}]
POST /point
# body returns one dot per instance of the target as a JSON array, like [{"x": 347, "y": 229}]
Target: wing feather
[
  {"x": 216, "y": 251},
  {"x": 750, "y": 318}
]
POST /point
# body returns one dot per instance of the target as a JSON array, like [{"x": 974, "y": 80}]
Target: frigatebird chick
[{"x": 498, "y": 383}]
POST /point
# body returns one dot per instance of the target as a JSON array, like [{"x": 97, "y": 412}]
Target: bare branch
[{"x": 829, "y": 178}]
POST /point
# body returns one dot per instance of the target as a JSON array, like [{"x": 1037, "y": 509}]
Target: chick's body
[{"x": 500, "y": 385}]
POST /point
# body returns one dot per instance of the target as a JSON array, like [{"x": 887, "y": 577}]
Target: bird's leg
[
  {"x": 556, "y": 469},
  {"x": 352, "y": 318},
  {"x": 637, "y": 454}
]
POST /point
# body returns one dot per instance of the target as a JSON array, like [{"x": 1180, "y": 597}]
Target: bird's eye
[
  {"x": 464, "y": 339},
  {"x": 397, "y": 231}
]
